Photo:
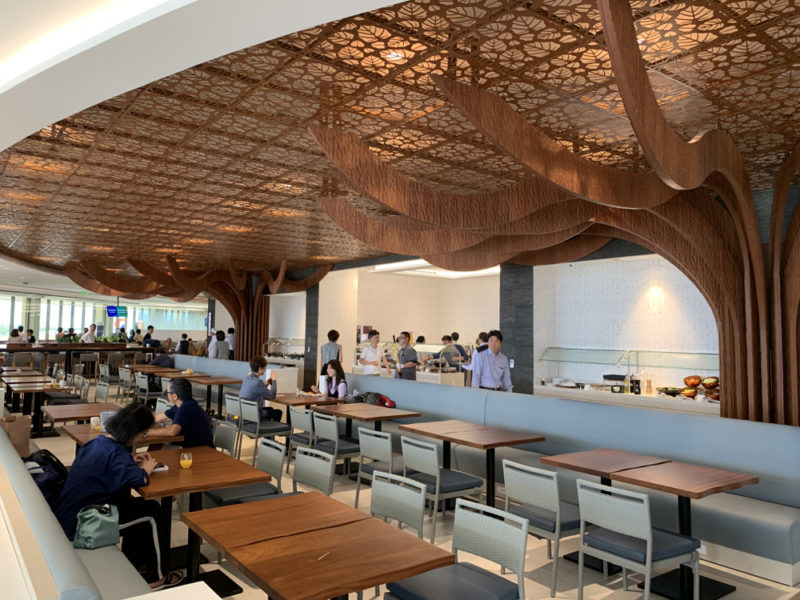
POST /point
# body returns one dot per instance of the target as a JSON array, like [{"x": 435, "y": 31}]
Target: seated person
[
  {"x": 183, "y": 345},
  {"x": 219, "y": 347},
  {"x": 254, "y": 388},
  {"x": 162, "y": 359},
  {"x": 337, "y": 386},
  {"x": 188, "y": 418},
  {"x": 104, "y": 472}
]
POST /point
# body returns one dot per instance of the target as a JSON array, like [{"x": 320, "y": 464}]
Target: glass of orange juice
[{"x": 186, "y": 460}]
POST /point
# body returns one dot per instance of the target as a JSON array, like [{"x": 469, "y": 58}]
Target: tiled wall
[{"x": 641, "y": 303}]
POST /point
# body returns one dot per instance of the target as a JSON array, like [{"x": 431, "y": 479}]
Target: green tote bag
[{"x": 98, "y": 526}]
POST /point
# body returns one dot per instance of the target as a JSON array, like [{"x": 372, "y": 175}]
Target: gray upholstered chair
[
  {"x": 377, "y": 447},
  {"x": 327, "y": 438},
  {"x": 534, "y": 493},
  {"x": 142, "y": 389},
  {"x": 484, "y": 531},
  {"x": 162, "y": 405},
  {"x": 100, "y": 391},
  {"x": 423, "y": 459},
  {"x": 126, "y": 383},
  {"x": 625, "y": 536},
  {"x": 301, "y": 419},
  {"x": 254, "y": 427},
  {"x": 314, "y": 468}
]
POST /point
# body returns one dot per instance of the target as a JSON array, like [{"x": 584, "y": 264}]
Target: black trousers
[{"x": 138, "y": 526}]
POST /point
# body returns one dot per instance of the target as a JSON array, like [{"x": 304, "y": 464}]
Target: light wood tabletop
[
  {"x": 683, "y": 479},
  {"x": 366, "y": 412},
  {"x": 215, "y": 380},
  {"x": 601, "y": 462},
  {"x": 435, "y": 429},
  {"x": 24, "y": 380},
  {"x": 78, "y": 412},
  {"x": 210, "y": 470},
  {"x": 315, "y": 547}
]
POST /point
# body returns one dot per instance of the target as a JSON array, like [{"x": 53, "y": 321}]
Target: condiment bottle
[{"x": 626, "y": 387}]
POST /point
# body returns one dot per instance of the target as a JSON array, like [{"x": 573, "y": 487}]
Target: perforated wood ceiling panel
[{"x": 216, "y": 163}]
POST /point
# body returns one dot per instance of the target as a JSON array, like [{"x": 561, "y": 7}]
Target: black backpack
[{"x": 49, "y": 473}]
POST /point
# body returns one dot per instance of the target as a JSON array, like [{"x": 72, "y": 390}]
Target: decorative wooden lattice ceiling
[{"x": 216, "y": 164}]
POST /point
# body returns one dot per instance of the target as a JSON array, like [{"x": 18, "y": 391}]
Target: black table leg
[
  {"x": 677, "y": 584},
  {"x": 165, "y": 533},
  {"x": 348, "y": 427},
  {"x": 378, "y": 425},
  {"x": 219, "y": 401},
  {"x": 490, "y": 477},
  {"x": 38, "y": 418},
  {"x": 446, "y": 455},
  {"x": 218, "y": 581},
  {"x": 26, "y": 398},
  {"x": 208, "y": 398}
]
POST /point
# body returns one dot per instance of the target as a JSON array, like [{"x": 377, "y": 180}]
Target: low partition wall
[{"x": 755, "y": 529}]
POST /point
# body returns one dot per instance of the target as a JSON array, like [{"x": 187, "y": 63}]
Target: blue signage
[{"x": 111, "y": 311}]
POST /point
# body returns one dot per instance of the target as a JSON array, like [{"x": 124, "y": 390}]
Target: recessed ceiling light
[
  {"x": 198, "y": 241},
  {"x": 237, "y": 229},
  {"x": 100, "y": 248},
  {"x": 10, "y": 227}
]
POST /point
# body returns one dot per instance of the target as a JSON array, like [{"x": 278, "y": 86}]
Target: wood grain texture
[
  {"x": 75, "y": 412},
  {"x": 573, "y": 249},
  {"x": 683, "y": 479},
  {"x": 366, "y": 412},
  {"x": 529, "y": 146},
  {"x": 601, "y": 462},
  {"x": 785, "y": 272},
  {"x": 461, "y": 211}
]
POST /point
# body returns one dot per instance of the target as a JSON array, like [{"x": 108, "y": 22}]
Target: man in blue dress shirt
[{"x": 490, "y": 368}]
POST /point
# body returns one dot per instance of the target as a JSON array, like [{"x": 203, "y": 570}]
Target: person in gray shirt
[
  {"x": 406, "y": 359},
  {"x": 330, "y": 351}
]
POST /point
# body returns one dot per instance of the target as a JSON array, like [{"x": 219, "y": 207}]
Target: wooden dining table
[
  {"x": 304, "y": 400},
  {"x": 482, "y": 437},
  {"x": 210, "y": 470},
  {"x": 310, "y": 546},
  {"x": 82, "y": 433},
  {"x": 365, "y": 412},
  {"x": 687, "y": 481},
  {"x": 210, "y": 381},
  {"x": 32, "y": 390}
]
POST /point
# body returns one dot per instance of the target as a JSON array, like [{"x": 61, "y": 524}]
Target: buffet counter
[{"x": 678, "y": 404}]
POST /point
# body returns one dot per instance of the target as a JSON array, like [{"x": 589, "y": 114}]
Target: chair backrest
[
  {"x": 124, "y": 375},
  {"x": 530, "y": 485},
  {"x": 22, "y": 359},
  {"x": 56, "y": 359},
  {"x": 250, "y": 410},
  {"x": 105, "y": 374},
  {"x": 232, "y": 406},
  {"x": 101, "y": 391},
  {"x": 89, "y": 356},
  {"x": 77, "y": 382},
  {"x": 165, "y": 383},
  {"x": 325, "y": 427},
  {"x": 376, "y": 445},
  {"x": 138, "y": 357},
  {"x": 85, "y": 389},
  {"x": 616, "y": 509},
  {"x": 141, "y": 382},
  {"x": 398, "y": 498},
  {"x": 162, "y": 405},
  {"x": 225, "y": 437},
  {"x": 493, "y": 534},
  {"x": 314, "y": 468},
  {"x": 420, "y": 456},
  {"x": 301, "y": 419},
  {"x": 270, "y": 459}
]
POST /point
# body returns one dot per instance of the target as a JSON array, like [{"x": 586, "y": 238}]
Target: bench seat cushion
[
  {"x": 665, "y": 544},
  {"x": 461, "y": 581},
  {"x": 345, "y": 446},
  {"x": 267, "y": 427},
  {"x": 113, "y": 574}
]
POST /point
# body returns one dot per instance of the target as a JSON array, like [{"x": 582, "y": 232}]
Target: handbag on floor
[{"x": 98, "y": 526}]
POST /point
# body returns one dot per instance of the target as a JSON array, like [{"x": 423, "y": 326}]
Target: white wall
[
  {"x": 287, "y": 316},
  {"x": 222, "y": 318},
  {"x": 640, "y": 303},
  {"x": 338, "y": 304}
]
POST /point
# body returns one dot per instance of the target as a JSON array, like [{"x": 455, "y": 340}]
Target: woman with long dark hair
[
  {"x": 337, "y": 386},
  {"x": 104, "y": 472}
]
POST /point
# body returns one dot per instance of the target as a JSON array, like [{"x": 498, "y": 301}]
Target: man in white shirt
[
  {"x": 88, "y": 337},
  {"x": 372, "y": 355},
  {"x": 211, "y": 351}
]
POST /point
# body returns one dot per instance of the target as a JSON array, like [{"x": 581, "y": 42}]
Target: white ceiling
[{"x": 107, "y": 60}]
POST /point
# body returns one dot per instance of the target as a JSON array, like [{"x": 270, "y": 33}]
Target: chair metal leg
[
  {"x": 580, "y": 573},
  {"x": 358, "y": 483},
  {"x": 605, "y": 571},
  {"x": 624, "y": 579},
  {"x": 288, "y": 453},
  {"x": 696, "y": 579},
  {"x": 549, "y": 550},
  {"x": 647, "y": 577},
  {"x": 433, "y": 529},
  {"x": 555, "y": 566}
]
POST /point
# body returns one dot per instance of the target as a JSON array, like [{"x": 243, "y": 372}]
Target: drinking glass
[{"x": 186, "y": 460}]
